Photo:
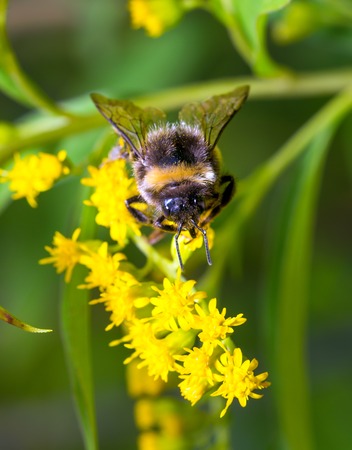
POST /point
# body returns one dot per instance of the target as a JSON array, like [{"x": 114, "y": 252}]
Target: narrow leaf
[
  {"x": 76, "y": 334},
  {"x": 12, "y": 320},
  {"x": 289, "y": 297}
]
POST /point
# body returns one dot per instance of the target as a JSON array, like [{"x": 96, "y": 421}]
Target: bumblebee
[{"x": 176, "y": 166}]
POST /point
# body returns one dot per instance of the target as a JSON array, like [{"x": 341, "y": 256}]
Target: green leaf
[
  {"x": 76, "y": 335},
  {"x": 13, "y": 81},
  {"x": 288, "y": 296},
  {"x": 272, "y": 5},
  {"x": 248, "y": 12},
  {"x": 12, "y": 320},
  {"x": 246, "y": 23}
]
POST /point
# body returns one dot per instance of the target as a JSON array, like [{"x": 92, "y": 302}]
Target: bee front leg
[
  {"x": 160, "y": 228},
  {"x": 164, "y": 226},
  {"x": 136, "y": 213}
]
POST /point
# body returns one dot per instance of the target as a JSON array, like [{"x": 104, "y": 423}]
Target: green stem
[
  {"x": 263, "y": 178},
  {"x": 168, "y": 268},
  {"x": 255, "y": 187},
  {"x": 40, "y": 131},
  {"x": 24, "y": 89}
]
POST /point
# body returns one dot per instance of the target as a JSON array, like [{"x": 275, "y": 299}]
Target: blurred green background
[{"x": 73, "y": 48}]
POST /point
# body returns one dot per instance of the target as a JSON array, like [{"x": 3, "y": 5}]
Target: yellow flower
[
  {"x": 193, "y": 244},
  {"x": 103, "y": 267},
  {"x": 149, "y": 440},
  {"x": 139, "y": 383},
  {"x": 174, "y": 306},
  {"x": 145, "y": 413},
  {"x": 112, "y": 188},
  {"x": 155, "y": 15},
  {"x": 196, "y": 374},
  {"x": 188, "y": 244},
  {"x": 122, "y": 298},
  {"x": 65, "y": 253},
  {"x": 34, "y": 174},
  {"x": 154, "y": 353},
  {"x": 215, "y": 327},
  {"x": 162, "y": 332},
  {"x": 237, "y": 378}
]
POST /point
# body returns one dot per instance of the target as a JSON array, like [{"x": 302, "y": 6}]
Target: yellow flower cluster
[
  {"x": 34, "y": 174},
  {"x": 112, "y": 187},
  {"x": 155, "y": 16},
  {"x": 169, "y": 328}
]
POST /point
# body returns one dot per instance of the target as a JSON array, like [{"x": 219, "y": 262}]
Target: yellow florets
[
  {"x": 169, "y": 327},
  {"x": 237, "y": 378},
  {"x": 155, "y": 16},
  {"x": 34, "y": 174},
  {"x": 65, "y": 253},
  {"x": 112, "y": 186}
]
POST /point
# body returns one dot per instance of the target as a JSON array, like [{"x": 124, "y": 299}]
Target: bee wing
[
  {"x": 213, "y": 114},
  {"x": 128, "y": 120}
]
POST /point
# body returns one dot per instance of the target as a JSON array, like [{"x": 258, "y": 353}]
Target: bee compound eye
[{"x": 173, "y": 206}]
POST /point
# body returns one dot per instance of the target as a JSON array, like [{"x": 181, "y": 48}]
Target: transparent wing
[
  {"x": 128, "y": 120},
  {"x": 214, "y": 114}
]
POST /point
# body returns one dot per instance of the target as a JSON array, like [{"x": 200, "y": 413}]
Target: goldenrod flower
[
  {"x": 198, "y": 242},
  {"x": 149, "y": 440},
  {"x": 34, "y": 174},
  {"x": 140, "y": 384},
  {"x": 145, "y": 413},
  {"x": 122, "y": 298},
  {"x": 155, "y": 15},
  {"x": 214, "y": 325},
  {"x": 175, "y": 331},
  {"x": 174, "y": 307},
  {"x": 154, "y": 353},
  {"x": 103, "y": 267},
  {"x": 196, "y": 374},
  {"x": 65, "y": 254},
  {"x": 237, "y": 378},
  {"x": 112, "y": 187}
]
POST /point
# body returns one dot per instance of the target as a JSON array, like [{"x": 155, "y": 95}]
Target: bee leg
[
  {"x": 192, "y": 232},
  {"x": 164, "y": 226},
  {"x": 225, "y": 198},
  {"x": 229, "y": 191},
  {"x": 138, "y": 215}
]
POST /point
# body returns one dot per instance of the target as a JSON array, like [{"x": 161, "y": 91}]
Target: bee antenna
[
  {"x": 179, "y": 229},
  {"x": 205, "y": 239}
]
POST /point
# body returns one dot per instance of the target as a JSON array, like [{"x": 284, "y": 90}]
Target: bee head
[
  {"x": 183, "y": 209},
  {"x": 185, "y": 212}
]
